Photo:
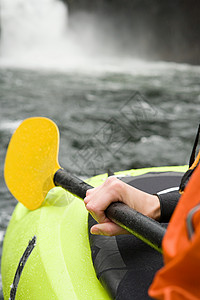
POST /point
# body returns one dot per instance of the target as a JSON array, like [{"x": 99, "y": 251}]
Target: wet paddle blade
[{"x": 32, "y": 160}]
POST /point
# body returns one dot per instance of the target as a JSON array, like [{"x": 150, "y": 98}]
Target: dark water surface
[{"x": 110, "y": 118}]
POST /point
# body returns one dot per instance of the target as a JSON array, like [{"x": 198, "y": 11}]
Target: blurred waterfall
[{"x": 35, "y": 33}]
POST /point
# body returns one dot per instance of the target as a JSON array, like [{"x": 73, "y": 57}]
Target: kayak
[{"x": 50, "y": 253}]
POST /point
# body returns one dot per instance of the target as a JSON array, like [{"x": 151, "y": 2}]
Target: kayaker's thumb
[{"x": 108, "y": 229}]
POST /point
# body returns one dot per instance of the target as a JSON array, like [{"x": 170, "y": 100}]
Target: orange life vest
[{"x": 179, "y": 279}]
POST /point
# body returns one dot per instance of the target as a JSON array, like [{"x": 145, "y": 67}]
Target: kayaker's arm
[{"x": 114, "y": 190}]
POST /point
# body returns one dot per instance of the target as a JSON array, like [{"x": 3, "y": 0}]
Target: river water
[
  {"x": 110, "y": 117},
  {"x": 113, "y": 113}
]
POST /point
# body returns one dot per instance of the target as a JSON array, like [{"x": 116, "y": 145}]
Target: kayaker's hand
[{"x": 114, "y": 190}]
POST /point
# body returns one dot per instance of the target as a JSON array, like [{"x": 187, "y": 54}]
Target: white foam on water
[
  {"x": 35, "y": 35},
  {"x": 9, "y": 125},
  {"x": 1, "y": 235}
]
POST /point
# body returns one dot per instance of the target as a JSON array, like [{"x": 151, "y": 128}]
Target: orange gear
[{"x": 179, "y": 279}]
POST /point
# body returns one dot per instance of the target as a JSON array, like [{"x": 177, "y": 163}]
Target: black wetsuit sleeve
[{"x": 168, "y": 202}]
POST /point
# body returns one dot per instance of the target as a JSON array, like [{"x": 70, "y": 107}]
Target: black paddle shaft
[{"x": 143, "y": 227}]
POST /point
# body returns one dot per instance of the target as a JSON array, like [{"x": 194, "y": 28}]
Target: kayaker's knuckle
[
  {"x": 109, "y": 180},
  {"x": 91, "y": 207},
  {"x": 112, "y": 182},
  {"x": 116, "y": 185},
  {"x": 88, "y": 192}
]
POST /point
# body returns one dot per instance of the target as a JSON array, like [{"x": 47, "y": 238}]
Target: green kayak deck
[{"x": 60, "y": 265}]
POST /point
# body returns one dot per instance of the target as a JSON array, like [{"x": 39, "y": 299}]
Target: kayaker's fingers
[
  {"x": 103, "y": 195},
  {"x": 90, "y": 193},
  {"x": 98, "y": 199},
  {"x": 88, "y": 196},
  {"x": 86, "y": 200},
  {"x": 108, "y": 229},
  {"x": 97, "y": 214}
]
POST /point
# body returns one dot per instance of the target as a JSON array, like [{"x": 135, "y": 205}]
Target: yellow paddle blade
[{"x": 32, "y": 160}]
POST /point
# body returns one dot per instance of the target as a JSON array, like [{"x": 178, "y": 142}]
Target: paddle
[{"x": 32, "y": 169}]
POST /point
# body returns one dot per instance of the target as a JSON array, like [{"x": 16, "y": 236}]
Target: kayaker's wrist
[
  {"x": 153, "y": 205},
  {"x": 145, "y": 203}
]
